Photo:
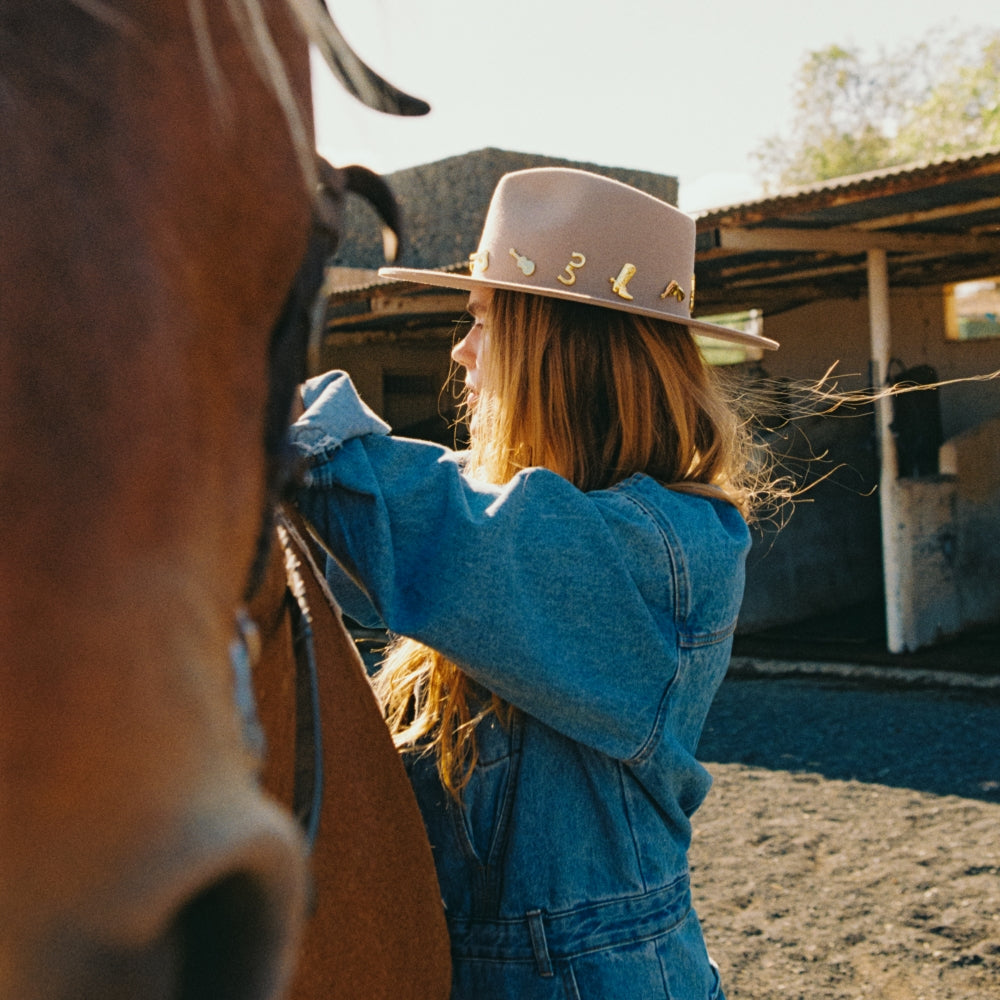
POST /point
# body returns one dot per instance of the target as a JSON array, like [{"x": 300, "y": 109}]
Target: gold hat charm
[
  {"x": 527, "y": 266},
  {"x": 673, "y": 289},
  {"x": 576, "y": 261},
  {"x": 625, "y": 275}
]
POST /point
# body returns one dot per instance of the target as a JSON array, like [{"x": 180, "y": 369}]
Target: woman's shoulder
[
  {"x": 686, "y": 516},
  {"x": 697, "y": 499}
]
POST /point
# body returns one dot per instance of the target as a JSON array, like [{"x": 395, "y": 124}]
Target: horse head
[{"x": 159, "y": 196}]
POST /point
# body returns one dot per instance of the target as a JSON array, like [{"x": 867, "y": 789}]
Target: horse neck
[{"x": 151, "y": 225}]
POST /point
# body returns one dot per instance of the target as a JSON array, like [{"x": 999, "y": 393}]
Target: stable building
[{"x": 891, "y": 276}]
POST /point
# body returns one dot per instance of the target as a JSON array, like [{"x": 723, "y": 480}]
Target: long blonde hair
[{"x": 596, "y": 396}]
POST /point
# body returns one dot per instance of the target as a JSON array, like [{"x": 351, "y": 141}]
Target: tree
[
  {"x": 959, "y": 115},
  {"x": 938, "y": 97}
]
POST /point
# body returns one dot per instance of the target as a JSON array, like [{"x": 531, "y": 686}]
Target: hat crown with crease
[{"x": 570, "y": 234}]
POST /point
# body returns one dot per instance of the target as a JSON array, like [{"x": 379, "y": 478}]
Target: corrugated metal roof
[
  {"x": 853, "y": 184},
  {"x": 939, "y": 222},
  {"x": 349, "y": 282}
]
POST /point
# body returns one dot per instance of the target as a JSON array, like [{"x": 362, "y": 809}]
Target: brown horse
[
  {"x": 377, "y": 930},
  {"x": 156, "y": 196}
]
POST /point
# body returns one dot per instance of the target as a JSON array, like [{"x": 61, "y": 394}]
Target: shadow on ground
[{"x": 942, "y": 741}]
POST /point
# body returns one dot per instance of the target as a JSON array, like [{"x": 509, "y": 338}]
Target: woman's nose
[{"x": 463, "y": 354}]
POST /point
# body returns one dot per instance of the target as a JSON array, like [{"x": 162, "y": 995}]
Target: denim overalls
[{"x": 606, "y": 620}]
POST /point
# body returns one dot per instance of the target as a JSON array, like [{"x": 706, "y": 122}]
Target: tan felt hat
[{"x": 570, "y": 234}]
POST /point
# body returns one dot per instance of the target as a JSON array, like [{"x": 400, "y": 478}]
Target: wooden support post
[{"x": 892, "y": 563}]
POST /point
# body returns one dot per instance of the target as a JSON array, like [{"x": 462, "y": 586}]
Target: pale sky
[{"x": 686, "y": 89}]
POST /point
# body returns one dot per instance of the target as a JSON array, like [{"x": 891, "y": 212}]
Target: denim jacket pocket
[{"x": 482, "y": 819}]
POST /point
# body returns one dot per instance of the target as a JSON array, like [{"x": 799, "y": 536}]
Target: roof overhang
[{"x": 937, "y": 222}]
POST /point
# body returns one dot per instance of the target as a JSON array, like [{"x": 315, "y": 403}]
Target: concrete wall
[
  {"x": 444, "y": 203},
  {"x": 817, "y": 335},
  {"x": 973, "y": 459},
  {"x": 948, "y": 530},
  {"x": 926, "y": 533},
  {"x": 828, "y": 557}
]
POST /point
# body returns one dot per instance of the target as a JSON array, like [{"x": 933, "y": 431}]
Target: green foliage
[{"x": 938, "y": 97}]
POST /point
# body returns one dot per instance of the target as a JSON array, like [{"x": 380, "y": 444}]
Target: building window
[
  {"x": 972, "y": 309},
  {"x": 720, "y": 352}
]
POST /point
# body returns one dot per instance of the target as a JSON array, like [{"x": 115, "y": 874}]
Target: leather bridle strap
[{"x": 308, "y": 786}]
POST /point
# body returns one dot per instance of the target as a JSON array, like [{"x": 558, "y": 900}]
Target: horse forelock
[{"x": 251, "y": 21}]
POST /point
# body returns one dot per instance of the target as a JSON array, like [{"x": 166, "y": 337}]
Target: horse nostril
[{"x": 232, "y": 941}]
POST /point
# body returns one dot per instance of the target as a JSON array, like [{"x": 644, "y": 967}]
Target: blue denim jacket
[{"x": 606, "y": 619}]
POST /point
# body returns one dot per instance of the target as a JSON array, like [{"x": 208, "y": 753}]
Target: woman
[{"x": 566, "y": 591}]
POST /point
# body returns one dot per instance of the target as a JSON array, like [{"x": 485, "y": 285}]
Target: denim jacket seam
[
  {"x": 490, "y": 866},
  {"x": 497, "y": 845},
  {"x": 696, "y": 639},
  {"x": 685, "y": 641},
  {"x": 679, "y": 882},
  {"x": 681, "y": 591},
  {"x": 316, "y": 471},
  {"x": 651, "y": 742},
  {"x": 679, "y": 611},
  {"x": 631, "y": 826}
]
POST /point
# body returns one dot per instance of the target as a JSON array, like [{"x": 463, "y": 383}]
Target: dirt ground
[{"x": 850, "y": 846}]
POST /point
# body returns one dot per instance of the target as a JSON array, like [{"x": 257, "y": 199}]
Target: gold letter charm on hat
[
  {"x": 625, "y": 275},
  {"x": 673, "y": 289},
  {"x": 576, "y": 260},
  {"x": 527, "y": 266},
  {"x": 479, "y": 261}
]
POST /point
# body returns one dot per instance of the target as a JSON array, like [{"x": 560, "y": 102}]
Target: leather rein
[
  {"x": 297, "y": 330},
  {"x": 244, "y": 653},
  {"x": 308, "y": 786}
]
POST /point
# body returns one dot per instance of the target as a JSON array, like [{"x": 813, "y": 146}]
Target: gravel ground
[{"x": 850, "y": 846}]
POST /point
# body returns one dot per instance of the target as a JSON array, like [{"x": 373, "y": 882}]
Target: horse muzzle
[
  {"x": 140, "y": 857},
  {"x": 212, "y": 908}
]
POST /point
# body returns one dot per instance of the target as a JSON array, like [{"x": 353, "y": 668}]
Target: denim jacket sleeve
[{"x": 557, "y": 600}]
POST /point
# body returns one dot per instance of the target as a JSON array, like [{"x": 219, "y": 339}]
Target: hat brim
[{"x": 448, "y": 279}]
